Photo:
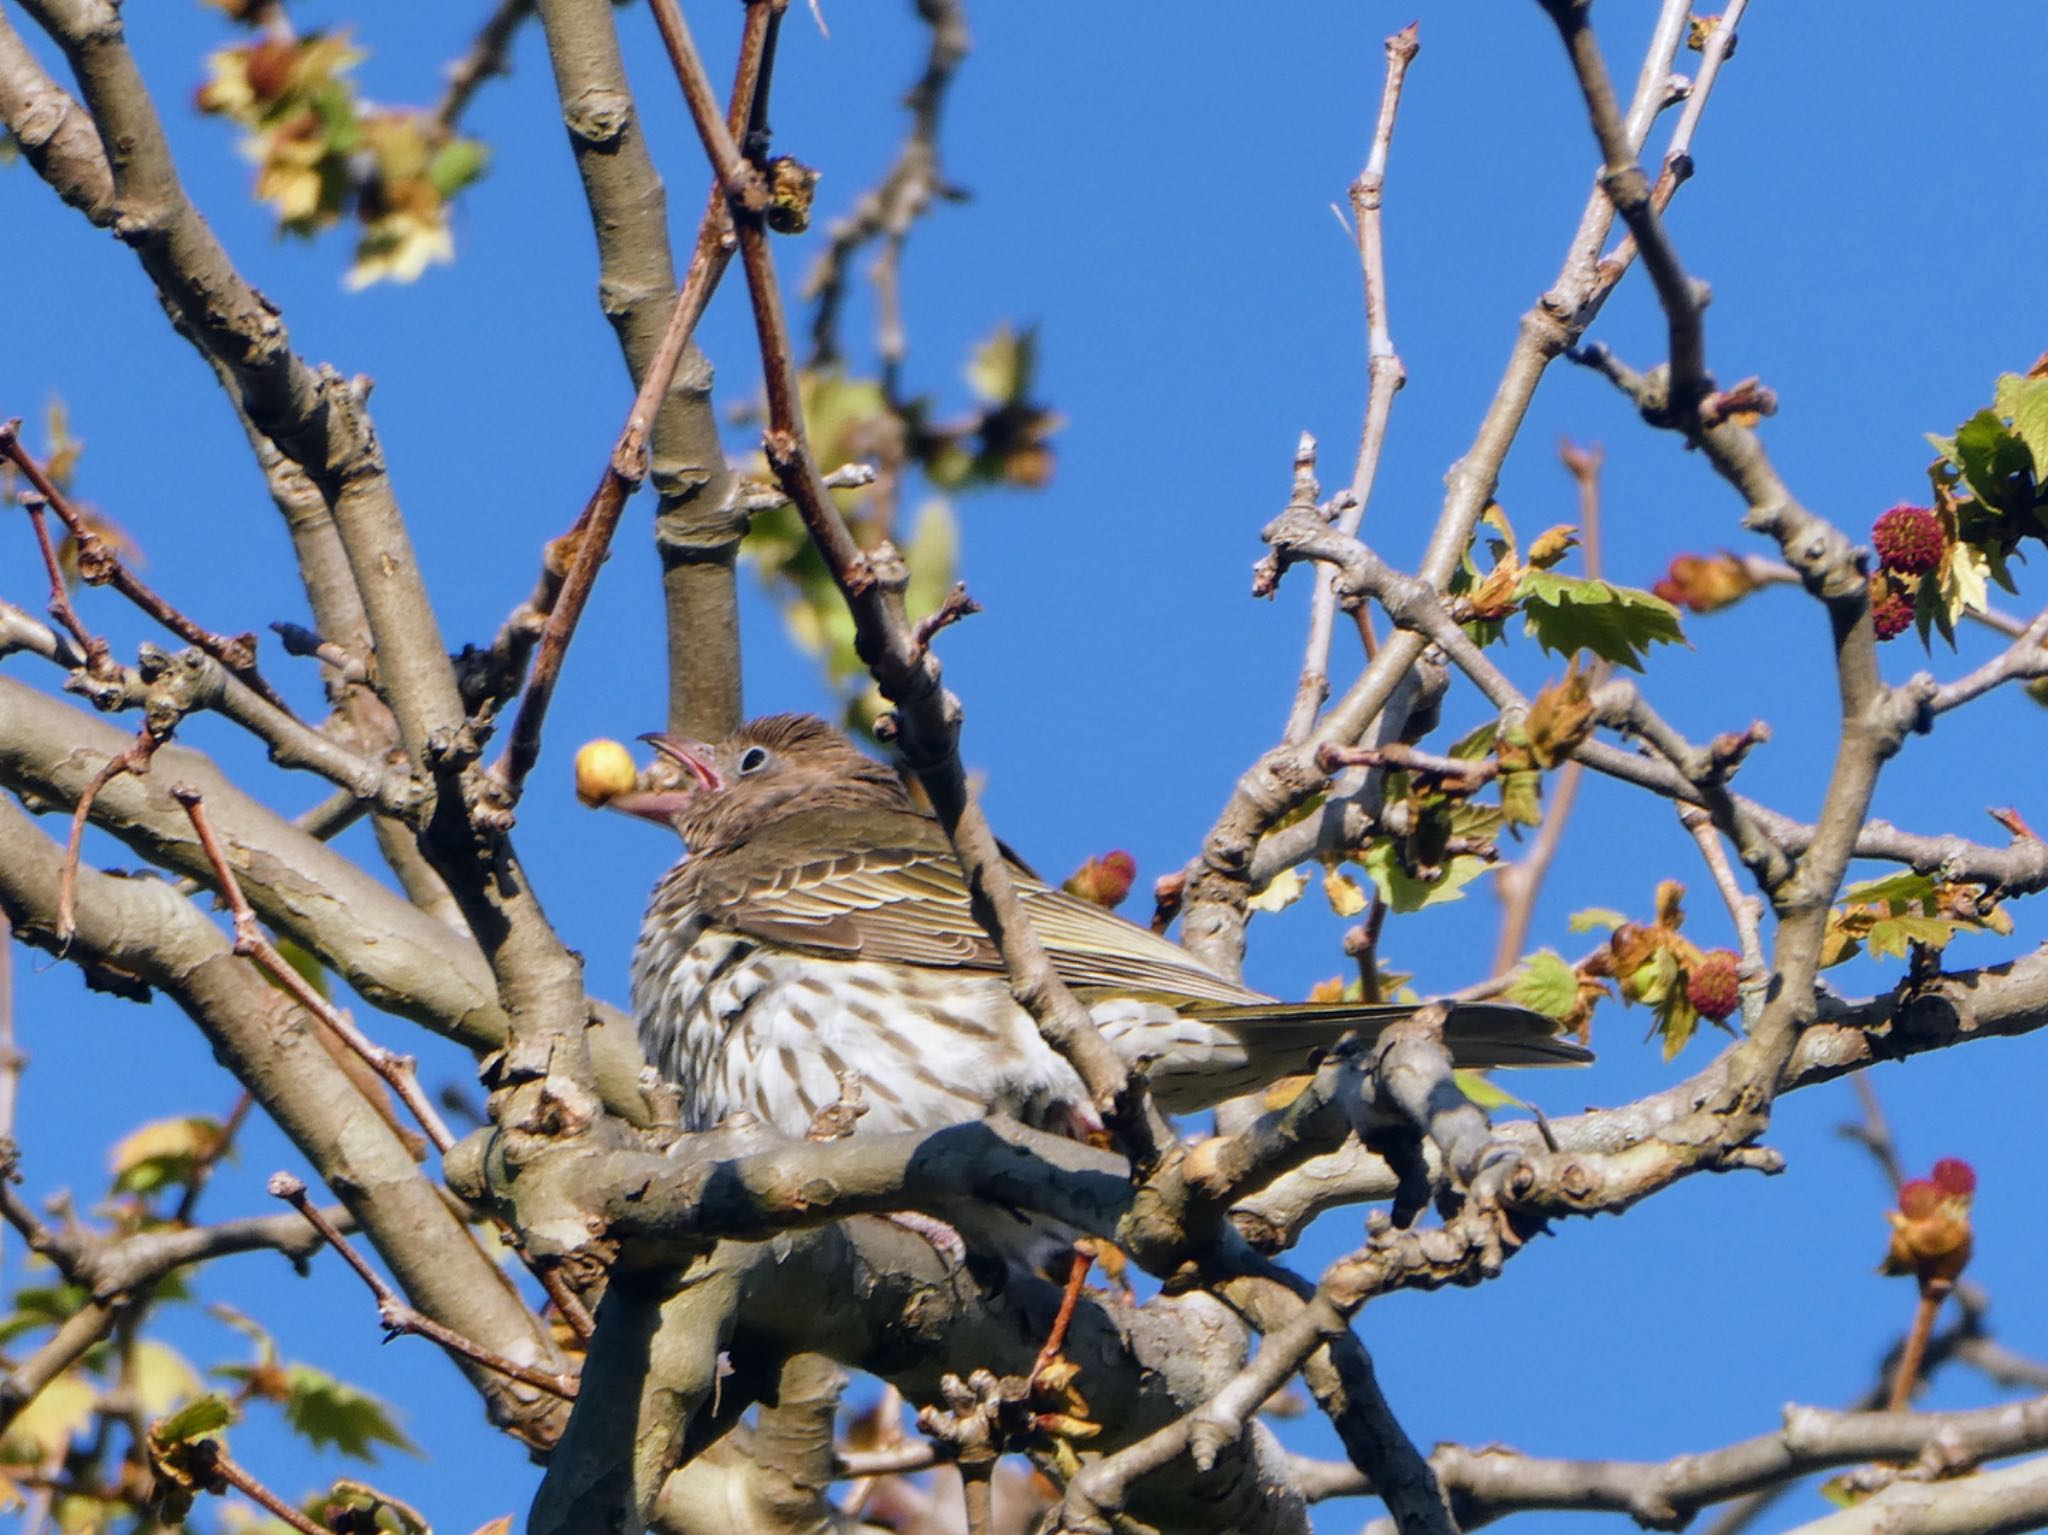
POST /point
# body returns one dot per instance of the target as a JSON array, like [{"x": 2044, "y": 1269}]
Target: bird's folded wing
[{"x": 888, "y": 888}]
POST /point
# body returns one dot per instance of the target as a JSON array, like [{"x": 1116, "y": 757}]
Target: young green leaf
[{"x": 1569, "y": 614}]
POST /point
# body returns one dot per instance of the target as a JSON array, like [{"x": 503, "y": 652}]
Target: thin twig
[
  {"x": 489, "y": 55},
  {"x": 400, "y": 1072},
  {"x": 134, "y": 759},
  {"x": 398, "y": 1317},
  {"x": 1384, "y": 377},
  {"x": 217, "y": 1460},
  {"x": 892, "y": 207},
  {"x": 1907, "y": 1375},
  {"x": 627, "y": 466},
  {"x": 1746, "y": 909},
  {"x": 98, "y": 564}
]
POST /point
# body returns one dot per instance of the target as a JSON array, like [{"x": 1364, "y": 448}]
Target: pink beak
[
  {"x": 693, "y": 755},
  {"x": 659, "y": 805}
]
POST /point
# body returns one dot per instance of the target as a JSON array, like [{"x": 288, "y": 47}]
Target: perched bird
[{"x": 820, "y": 925}]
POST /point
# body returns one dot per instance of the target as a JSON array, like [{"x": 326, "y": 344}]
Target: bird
[{"x": 819, "y": 931}]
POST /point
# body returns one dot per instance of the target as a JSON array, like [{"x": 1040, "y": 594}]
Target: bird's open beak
[
  {"x": 606, "y": 778},
  {"x": 692, "y": 755}
]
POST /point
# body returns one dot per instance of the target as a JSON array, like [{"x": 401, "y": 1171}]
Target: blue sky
[{"x": 1152, "y": 188}]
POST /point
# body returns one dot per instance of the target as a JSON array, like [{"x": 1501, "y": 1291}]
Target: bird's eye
[{"x": 753, "y": 759}]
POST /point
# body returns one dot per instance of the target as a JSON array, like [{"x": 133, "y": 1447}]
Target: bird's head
[{"x": 767, "y": 769}]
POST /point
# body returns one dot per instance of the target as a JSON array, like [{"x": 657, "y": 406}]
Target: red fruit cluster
[
  {"x": 1105, "y": 880},
  {"x": 1931, "y": 1236},
  {"x": 1891, "y": 610},
  {"x": 1909, "y": 540},
  {"x": 1712, "y": 985}
]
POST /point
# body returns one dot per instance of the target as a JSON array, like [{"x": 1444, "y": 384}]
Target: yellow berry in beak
[{"x": 604, "y": 770}]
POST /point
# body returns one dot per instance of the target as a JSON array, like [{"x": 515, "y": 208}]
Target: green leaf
[
  {"x": 1595, "y": 918},
  {"x": 1995, "y": 463},
  {"x": 195, "y": 1420},
  {"x": 38, "y": 1306},
  {"x": 932, "y": 556},
  {"x": 1484, "y": 1091},
  {"x": 1903, "y": 886},
  {"x": 1568, "y": 614},
  {"x": 1548, "y": 984},
  {"x": 456, "y": 164},
  {"x": 2024, "y": 402},
  {"x": 1000, "y": 369},
  {"x": 326, "y": 1412},
  {"x": 1403, "y": 892},
  {"x": 1477, "y": 744}
]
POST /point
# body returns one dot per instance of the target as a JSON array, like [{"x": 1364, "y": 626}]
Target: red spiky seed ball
[
  {"x": 1919, "y": 1198},
  {"x": 1712, "y": 985},
  {"x": 1909, "y": 540},
  {"x": 1891, "y": 610},
  {"x": 1954, "y": 1176}
]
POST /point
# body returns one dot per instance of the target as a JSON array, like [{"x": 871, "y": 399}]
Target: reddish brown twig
[
  {"x": 98, "y": 662},
  {"x": 398, "y": 1071},
  {"x": 135, "y": 759},
  {"x": 397, "y": 1317},
  {"x": 1055, "y": 1340},
  {"x": 99, "y": 565},
  {"x": 213, "y": 1465},
  {"x": 591, "y": 535},
  {"x": 1907, "y": 1374},
  {"x": 958, "y": 605}
]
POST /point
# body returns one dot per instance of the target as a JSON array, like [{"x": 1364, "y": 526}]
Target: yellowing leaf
[
  {"x": 1343, "y": 893},
  {"x": 44, "y": 1429},
  {"x": 1279, "y": 893},
  {"x": 1552, "y": 545},
  {"x": 164, "y": 1151},
  {"x": 161, "y": 1377}
]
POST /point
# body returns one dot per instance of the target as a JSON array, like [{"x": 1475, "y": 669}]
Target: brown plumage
[{"x": 821, "y": 925}]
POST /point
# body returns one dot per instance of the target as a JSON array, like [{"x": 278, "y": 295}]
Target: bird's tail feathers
[{"x": 1478, "y": 1034}]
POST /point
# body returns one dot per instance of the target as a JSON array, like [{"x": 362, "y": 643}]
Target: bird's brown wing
[{"x": 887, "y": 887}]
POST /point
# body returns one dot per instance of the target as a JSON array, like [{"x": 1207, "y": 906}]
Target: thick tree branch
[{"x": 144, "y": 931}]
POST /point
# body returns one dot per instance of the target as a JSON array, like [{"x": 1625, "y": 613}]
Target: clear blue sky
[{"x": 1152, "y": 186}]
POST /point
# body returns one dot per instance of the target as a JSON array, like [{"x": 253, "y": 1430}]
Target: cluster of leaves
[
  {"x": 1005, "y": 440},
  {"x": 324, "y": 154},
  {"x": 1652, "y": 964},
  {"x": 77, "y": 1434},
  {"x": 1566, "y": 615},
  {"x": 1990, "y": 482},
  {"x": 1908, "y": 914}
]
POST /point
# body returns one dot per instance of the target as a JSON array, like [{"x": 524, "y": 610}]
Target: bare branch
[{"x": 1384, "y": 377}]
